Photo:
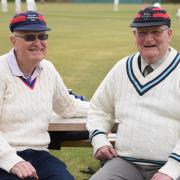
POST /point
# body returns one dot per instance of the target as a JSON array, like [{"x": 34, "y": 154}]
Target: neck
[
  {"x": 26, "y": 69},
  {"x": 156, "y": 60}
]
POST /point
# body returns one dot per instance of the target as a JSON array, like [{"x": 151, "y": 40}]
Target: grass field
[{"x": 85, "y": 42}]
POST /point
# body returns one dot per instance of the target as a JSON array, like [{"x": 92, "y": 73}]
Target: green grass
[
  {"x": 86, "y": 39},
  {"x": 77, "y": 159},
  {"x": 85, "y": 42}
]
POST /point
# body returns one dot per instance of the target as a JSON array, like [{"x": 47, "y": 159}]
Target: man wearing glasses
[
  {"x": 30, "y": 90},
  {"x": 142, "y": 93}
]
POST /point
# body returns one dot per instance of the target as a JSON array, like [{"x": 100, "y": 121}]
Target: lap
[
  {"x": 7, "y": 176},
  {"x": 118, "y": 169},
  {"x": 47, "y": 166}
]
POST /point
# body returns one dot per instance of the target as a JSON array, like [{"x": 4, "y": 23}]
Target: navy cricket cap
[
  {"x": 28, "y": 21},
  {"x": 151, "y": 16}
]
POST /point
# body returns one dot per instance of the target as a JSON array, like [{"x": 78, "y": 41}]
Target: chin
[
  {"x": 150, "y": 52},
  {"x": 37, "y": 59},
  {"x": 150, "y": 57}
]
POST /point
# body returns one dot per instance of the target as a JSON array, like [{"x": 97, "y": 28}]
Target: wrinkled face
[
  {"x": 30, "y": 46},
  {"x": 152, "y": 42}
]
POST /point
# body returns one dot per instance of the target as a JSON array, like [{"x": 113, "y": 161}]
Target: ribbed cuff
[
  {"x": 100, "y": 140},
  {"x": 9, "y": 160}
]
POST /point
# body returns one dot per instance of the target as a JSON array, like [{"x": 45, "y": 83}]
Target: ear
[
  {"x": 170, "y": 35},
  {"x": 13, "y": 39},
  {"x": 134, "y": 35},
  {"x": 134, "y": 32}
]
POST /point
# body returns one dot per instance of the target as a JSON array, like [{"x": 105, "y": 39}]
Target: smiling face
[
  {"x": 28, "y": 52},
  {"x": 152, "y": 42}
]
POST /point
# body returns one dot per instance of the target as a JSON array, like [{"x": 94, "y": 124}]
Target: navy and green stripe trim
[
  {"x": 175, "y": 156},
  {"x": 94, "y": 133},
  {"x": 142, "y": 89},
  {"x": 137, "y": 160}
]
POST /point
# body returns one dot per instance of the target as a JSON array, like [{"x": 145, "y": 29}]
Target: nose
[
  {"x": 149, "y": 36},
  {"x": 37, "y": 40}
]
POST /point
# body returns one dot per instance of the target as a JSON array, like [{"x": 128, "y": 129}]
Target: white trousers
[
  {"x": 4, "y": 6},
  {"x": 31, "y": 5}
]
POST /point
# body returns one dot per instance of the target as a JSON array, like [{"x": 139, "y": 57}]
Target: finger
[
  {"x": 20, "y": 175},
  {"x": 31, "y": 170},
  {"x": 16, "y": 171},
  {"x": 105, "y": 153},
  {"x": 113, "y": 152},
  {"x": 36, "y": 177},
  {"x": 34, "y": 174},
  {"x": 100, "y": 155},
  {"x": 26, "y": 169}
]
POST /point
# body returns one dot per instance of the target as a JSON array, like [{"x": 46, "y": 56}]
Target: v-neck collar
[
  {"x": 155, "y": 65},
  {"x": 143, "y": 84},
  {"x": 12, "y": 62}
]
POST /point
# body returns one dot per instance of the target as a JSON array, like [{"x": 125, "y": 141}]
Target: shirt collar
[
  {"x": 155, "y": 65},
  {"x": 12, "y": 62}
]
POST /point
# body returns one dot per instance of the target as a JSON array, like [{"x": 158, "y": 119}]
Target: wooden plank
[
  {"x": 71, "y": 124},
  {"x": 87, "y": 143},
  {"x": 80, "y": 143},
  {"x": 60, "y": 125}
]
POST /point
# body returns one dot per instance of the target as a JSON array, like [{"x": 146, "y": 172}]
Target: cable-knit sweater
[
  {"x": 147, "y": 109},
  {"x": 25, "y": 112}
]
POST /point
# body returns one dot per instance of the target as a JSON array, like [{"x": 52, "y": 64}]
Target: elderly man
[
  {"x": 141, "y": 92},
  {"x": 30, "y": 90}
]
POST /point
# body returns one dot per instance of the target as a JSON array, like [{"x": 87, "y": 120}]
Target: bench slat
[{"x": 59, "y": 126}]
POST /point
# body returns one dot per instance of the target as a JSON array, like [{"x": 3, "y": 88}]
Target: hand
[
  {"x": 161, "y": 176},
  {"x": 106, "y": 152},
  {"x": 24, "y": 169}
]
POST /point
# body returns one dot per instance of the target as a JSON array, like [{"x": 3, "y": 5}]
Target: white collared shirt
[
  {"x": 155, "y": 65},
  {"x": 12, "y": 62}
]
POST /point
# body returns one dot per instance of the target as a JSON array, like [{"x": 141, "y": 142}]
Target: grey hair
[{"x": 164, "y": 27}]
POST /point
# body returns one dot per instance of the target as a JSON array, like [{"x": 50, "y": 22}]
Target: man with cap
[
  {"x": 140, "y": 92},
  {"x": 30, "y": 90}
]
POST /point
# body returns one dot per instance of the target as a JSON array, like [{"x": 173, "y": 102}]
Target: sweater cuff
[
  {"x": 100, "y": 140},
  {"x": 9, "y": 160},
  {"x": 171, "y": 168}
]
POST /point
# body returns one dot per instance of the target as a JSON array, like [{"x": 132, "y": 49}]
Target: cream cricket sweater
[
  {"x": 147, "y": 109},
  {"x": 25, "y": 113}
]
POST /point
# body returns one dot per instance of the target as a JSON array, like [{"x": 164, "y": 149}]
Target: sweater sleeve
[
  {"x": 172, "y": 167},
  {"x": 101, "y": 115},
  {"x": 8, "y": 156},
  {"x": 67, "y": 105}
]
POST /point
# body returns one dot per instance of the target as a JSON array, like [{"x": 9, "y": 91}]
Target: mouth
[
  {"x": 149, "y": 46},
  {"x": 36, "y": 50}
]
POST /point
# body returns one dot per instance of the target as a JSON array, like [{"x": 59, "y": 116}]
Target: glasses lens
[
  {"x": 30, "y": 37},
  {"x": 43, "y": 37}
]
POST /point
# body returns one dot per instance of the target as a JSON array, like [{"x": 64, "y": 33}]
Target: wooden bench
[{"x": 66, "y": 128}]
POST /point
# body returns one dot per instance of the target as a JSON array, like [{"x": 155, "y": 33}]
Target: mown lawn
[{"x": 85, "y": 42}]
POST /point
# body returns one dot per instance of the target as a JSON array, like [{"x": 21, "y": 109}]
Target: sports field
[{"x": 85, "y": 42}]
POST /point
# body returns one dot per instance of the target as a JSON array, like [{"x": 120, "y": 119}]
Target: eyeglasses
[
  {"x": 155, "y": 33},
  {"x": 32, "y": 37}
]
